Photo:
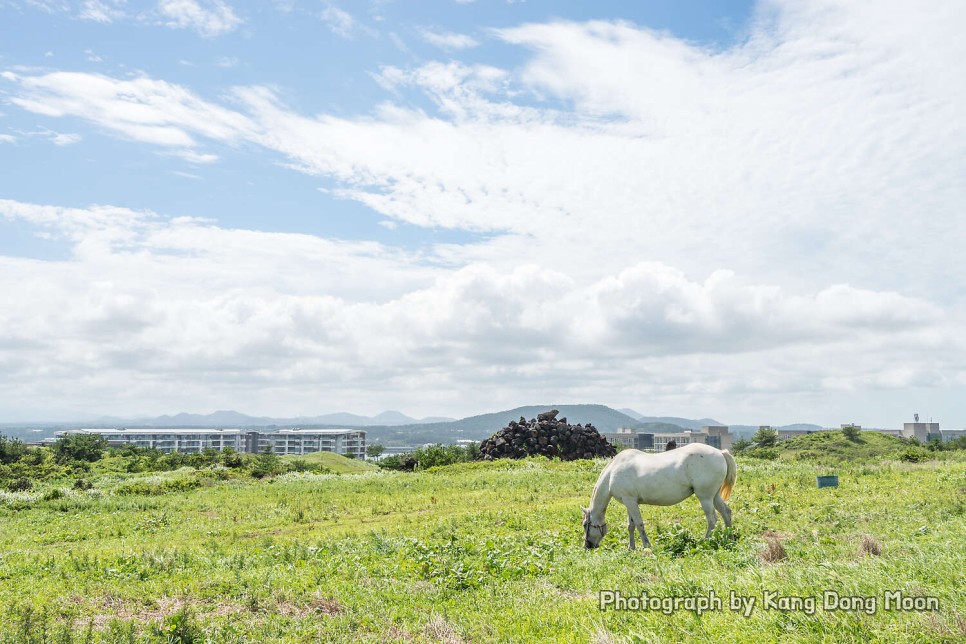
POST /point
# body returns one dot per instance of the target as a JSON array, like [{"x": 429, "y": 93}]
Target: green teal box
[{"x": 827, "y": 481}]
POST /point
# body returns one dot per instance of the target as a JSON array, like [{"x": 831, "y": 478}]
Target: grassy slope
[
  {"x": 335, "y": 463},
  {"x": 481, "y": 552},
  {"x": 834, "y": 446}
]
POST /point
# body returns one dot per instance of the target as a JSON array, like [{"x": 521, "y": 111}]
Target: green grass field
[{"x": 475, "y": 552}]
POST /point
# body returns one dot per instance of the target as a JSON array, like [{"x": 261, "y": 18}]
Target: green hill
[
  {"x": 832, "y": 446},
  {"x": 336, "y": 463}
]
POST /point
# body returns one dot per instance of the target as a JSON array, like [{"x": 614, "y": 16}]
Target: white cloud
[
  {"x": 192, "y": 307},
  {"x": 664, "y": 222},
  {"x": 101, "y": 10},
  {"x": 448, "y": 40},
  {"x": 209, "y": 18},
  {"x": 65, "y": 138},
  {"x": 141, "y": 108},
  {"x": 7, "y": 138},
  {"x": 339, "y": 21}
]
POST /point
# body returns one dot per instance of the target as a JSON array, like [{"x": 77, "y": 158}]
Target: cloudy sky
[{"x": 749, "y": 211}]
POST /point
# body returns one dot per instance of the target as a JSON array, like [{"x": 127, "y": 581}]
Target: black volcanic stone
[{"x": 548, "y": 437}]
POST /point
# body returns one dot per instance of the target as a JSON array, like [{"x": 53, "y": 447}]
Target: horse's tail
[{"x": 730, "y": 477}]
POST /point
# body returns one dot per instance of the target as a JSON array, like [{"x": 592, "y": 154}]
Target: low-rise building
[
  {"x": 631, "y": 438},
  {"x": 714, "y": 435},
  {"x": 922, "y": 432},
  {"x": 348, "y": 442}
]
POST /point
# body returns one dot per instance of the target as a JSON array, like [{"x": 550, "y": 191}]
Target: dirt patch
[
  {"x": 869, "y": 546},
  {"x": 397, "y": 634},
  {"x": 439, "y": 630},
  {"x": 773, "y": 552},
  {"x": 111, "y": 607}
]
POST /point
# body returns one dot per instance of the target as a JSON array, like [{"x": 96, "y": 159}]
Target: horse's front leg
[{"x": 634, "y": 520}]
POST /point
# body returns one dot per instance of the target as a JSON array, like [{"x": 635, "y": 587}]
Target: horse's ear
[{"x": 586, "y": 511}]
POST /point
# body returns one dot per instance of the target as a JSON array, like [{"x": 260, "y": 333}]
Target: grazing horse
[{"x": 634, "y": 477}]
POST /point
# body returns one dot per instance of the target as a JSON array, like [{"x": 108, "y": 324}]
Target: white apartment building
[{"x": 286, "y": 441}]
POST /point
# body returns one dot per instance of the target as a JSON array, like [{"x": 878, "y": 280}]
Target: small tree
[
  {"x": 375, "y": 450},
  {"x": 740, "y": 444},
  {"x": 267, "y": 463},
  {"x": 765, "y": 437},
  {"x": 231, "y": 458},
  {"x": 80, "y": 447},
  {"x": 851, "y": 432},
  {"x": 11, "y": 450}
]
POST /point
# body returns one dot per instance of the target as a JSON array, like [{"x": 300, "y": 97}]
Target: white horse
[{"x": 634, "y": 477}]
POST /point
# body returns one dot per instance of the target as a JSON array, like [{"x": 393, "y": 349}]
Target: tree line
[{"x": 78, "y": 455}]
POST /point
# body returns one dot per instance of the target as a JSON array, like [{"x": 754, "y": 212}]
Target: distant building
[
  {"x": 952, "y": 434},
  {"x": 348, "y": 442},
  {"x": 631, "y": 438},
  {"x": 922, "y": 432},
  {"x": 889, "y": 432},
  {"x": 716, "y": 436}
]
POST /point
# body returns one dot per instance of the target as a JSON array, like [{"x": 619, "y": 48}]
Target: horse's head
[{"x": 593, "y": 533}]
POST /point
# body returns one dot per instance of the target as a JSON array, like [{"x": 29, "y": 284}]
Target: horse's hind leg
[
  {"x": 634, "y": 520},
  {"x": 722, "y": 509},
  {"x": 707, "y": 504}
]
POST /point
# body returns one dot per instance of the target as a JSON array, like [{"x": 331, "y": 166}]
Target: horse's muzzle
[{"x": 589, "y": 546}]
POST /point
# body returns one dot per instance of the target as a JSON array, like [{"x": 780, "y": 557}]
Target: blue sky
[{"x": 739, "y": 210}]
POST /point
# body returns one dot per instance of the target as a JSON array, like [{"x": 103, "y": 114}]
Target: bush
[
  {"x": 393, "y": 462},
  {"x": 764, "y": 453},
  {"x": 423, "y": 458},
  {"x": 54, "y": 494},
  {"x": 11, "y": 450},
  {"x": 21, "y": 484},
  {"x": 740, "y": 445},
  {"x": 86, "y": 448},
  {"x": 180, "y": 628},
  {"x": 766, "y": 437},
  {"x": 231, "y": 458},
  {"x": 851, "y": 432},
  {"x": 267, "y": 463},
  {"x": 913, "y": 455}
]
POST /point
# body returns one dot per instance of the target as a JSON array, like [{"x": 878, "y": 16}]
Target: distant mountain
[
  {"x": 747, "y": 431},
  {"x": 686, "y": 423},
  {"x": 659, "y": 428}
]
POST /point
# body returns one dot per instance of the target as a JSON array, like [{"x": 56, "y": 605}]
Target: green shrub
[
  {"x": 913, "y": 455},
  {"x": 54, "y": 494},
  {"x": 86, "y": 448},
  {"x": 180, "y": 628},
  {"x": 83, "y": 484},
  {"x": 764, "y": 453},
  {"x": 21, "y": 484}
]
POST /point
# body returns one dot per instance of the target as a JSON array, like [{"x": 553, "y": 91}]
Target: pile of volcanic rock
[{"x": 546, "y": 436}]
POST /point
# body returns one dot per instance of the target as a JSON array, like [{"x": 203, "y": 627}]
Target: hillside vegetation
[
  {"x": 833, "y": 447},
  {"x": 472, "y": 552}
]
